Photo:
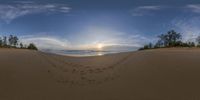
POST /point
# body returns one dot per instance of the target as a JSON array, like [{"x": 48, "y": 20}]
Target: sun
[{"x": 99, "y": 46}]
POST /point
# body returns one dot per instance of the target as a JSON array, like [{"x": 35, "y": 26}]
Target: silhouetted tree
[
  {"x": 163, "y": 40},
  {"x": 178, "y": 44},
  {"x": 198, "y": 41},
  {"x": 185, "y": 45},
  {"x": 32, "y": 46},
  {"x": 150, "y": 45},
  {"x": 4, "y": 41},
  {"x": 146, "y": 47},
  {"x": 1, "y": 42},
  {"x": 158, "y": 44},
  {"x": 21, "y": 45},
  {"x": 191, "y": 44},
  {"x": 13, "y": 40},
  {"x": 170, "y": 38}
]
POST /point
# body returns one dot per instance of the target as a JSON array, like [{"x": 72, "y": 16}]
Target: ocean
[{"x": 82, "y": 53}]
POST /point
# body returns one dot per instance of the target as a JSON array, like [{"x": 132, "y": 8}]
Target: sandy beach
[{"x": 159, "y": 74}]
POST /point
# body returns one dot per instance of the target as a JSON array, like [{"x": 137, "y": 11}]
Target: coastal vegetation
[
  {"x": 13, "y": 42},
  {"x": 171, "y": 39}
]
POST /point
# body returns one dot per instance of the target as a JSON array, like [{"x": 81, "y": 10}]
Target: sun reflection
[{"x": 99, "y": 54}]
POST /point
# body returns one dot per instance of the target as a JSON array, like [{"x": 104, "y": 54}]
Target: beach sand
[{"x": 160, "y": 74}]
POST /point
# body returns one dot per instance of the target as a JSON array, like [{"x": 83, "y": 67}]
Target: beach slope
[{"x": 160, "y": 74}]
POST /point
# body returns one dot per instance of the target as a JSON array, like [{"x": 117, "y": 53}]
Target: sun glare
[{"x": 99, "y": 46}]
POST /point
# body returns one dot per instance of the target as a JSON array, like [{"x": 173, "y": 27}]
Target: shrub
[{"x": 32, "y": 46}]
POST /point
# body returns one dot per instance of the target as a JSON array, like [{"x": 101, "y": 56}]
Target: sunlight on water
[
  {"x": 82, "y": 53},
  {"x": 99, "y": 53}
]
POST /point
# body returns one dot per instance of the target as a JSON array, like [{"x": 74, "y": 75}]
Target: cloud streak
[
  {"x": 194, "y": 8},
  {"x": 9, "y": 12},
  {"x": 145, "y": 10}
]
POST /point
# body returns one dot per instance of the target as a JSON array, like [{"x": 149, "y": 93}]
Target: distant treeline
[
  {"x": 171, "y": 39},
  {"x": 14, "y": 42}
]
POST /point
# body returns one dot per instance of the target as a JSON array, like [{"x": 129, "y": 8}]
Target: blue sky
[{"x": 84, "y": 24}]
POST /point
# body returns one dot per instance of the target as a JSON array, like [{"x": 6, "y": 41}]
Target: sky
[{"x": 97, "y": 24}]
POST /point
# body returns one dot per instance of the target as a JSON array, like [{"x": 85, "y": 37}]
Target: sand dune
[{"x": 161, "y": 74}]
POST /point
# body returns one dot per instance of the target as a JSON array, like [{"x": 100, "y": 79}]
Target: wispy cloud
[
  {"x": 194, "y": 7},
  {"x": 112, "y": 40},
  {"x": 145, "y": 10},
  {"x": 188, "y": 27},
  {"x": 8, "y": 12}
]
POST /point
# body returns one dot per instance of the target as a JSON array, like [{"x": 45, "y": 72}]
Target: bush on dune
[{"x": 32, "y": 46}]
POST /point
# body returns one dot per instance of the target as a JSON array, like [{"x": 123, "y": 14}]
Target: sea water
[{"x": 81, "y": 53}]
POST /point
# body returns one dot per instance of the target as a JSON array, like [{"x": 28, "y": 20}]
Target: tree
[
  {"x": 198, "y": 40},
  {"x": 150, "y": 45},
  {"x": 185, "y": 45},
  {"x": 170, "y": 38},
  {"x": 4, "y": 41},
  {"x": 10, "y": 40},
  {"x": 174, "y": 37},
  {"x": 178, "y": 44},
  {"x": 191, "y": 44},
  {"x": 163, "y": 40},
  {"x": 13, "y": 40},
  {"x": 1, "y": 42},
  {"x": 144, "y": 48},
  {"x": 159, "y": 44},
  {"x": 32, "y": 46},
  {"x": 21, "y": 45}
]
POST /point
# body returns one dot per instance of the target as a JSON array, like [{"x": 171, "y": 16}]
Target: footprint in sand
[
  {"x": 74, "y": 71},
  {"x": 82, "y": 72},
  {"x": 65, "y": 70},
  {"x": 90, "y": 71}
]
